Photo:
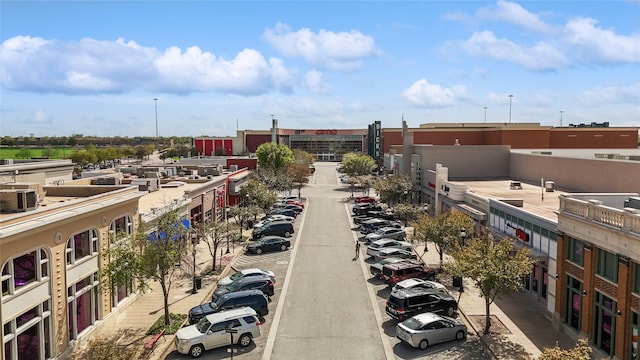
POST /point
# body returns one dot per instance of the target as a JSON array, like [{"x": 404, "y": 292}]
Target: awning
[
  {"x": 154, "y": 235},
  {"x": 473, "y": 212}
]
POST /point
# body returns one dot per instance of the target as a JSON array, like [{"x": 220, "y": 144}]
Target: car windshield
[
  {"x": 233, "y": 286},
  {"x": 203, "y": 325},
  {"x": 236, "y": 276},
  {"x": 380, "y": 232},
  {"x": 412, "y": 324}
]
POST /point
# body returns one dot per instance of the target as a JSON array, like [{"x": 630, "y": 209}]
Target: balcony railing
[{"x": 594, "y": 211}]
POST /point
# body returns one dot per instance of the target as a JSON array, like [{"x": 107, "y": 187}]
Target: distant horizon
[{"x": 194, "y": 68}]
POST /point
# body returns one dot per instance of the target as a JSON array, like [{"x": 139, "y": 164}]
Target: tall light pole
[
  {"x": 485, "y": 114},
  {"x": 510, "y": 99},
  {"x": 561, "y": 117},
  {"x": 156, "y": 105}
]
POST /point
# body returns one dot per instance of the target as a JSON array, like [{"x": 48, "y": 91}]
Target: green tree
[
  {"x": 354, "y": 164},
  {"x": 581, "y": 351},
  {"x": 303, "y": 157},
  {"x": 50, "y": 152},
  {"x": 84, "y": 157},
  {"x": 443, "y": 230},
  {"x": 214, "y": 234},
  {"x": 299, "y": 174},
  {"x": 143, "y": 258},
  {"x": 393, "y": 188},
  {"x": 242, "y": 214},
  {"x": 406, "y": 212},
  {"x": 495, "y": 267},
  {"x": 257, "y": 193},
  {"x": 272, "y": 156},
  {"x": 24, "y": 153}
]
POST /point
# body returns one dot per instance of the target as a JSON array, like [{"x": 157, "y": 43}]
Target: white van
[{"x": 217, "y": 330}]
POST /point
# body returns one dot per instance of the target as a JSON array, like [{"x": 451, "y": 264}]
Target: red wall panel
[{"x": 228, "y": 147}]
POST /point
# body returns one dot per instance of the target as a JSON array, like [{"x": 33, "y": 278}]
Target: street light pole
[
  {"x": 156, "y": 106},
  {"x": 485, "y": 114},
  {"x": 194, "y": 238},
  {"x": 561, "y": 117},
  {"x": 510, "y": 99}
]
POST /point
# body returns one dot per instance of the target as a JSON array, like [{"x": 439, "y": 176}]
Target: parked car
[
  {"x": 211, "y": 331},
  {"x": 279, "y": 228},
  {"x": 286, "y": 212},
  {"x": 405, "y": 303},
  {"x": 268, "y": 219},
  {"x": 263, "y": 283},
  {"x": 424, "y": 330},
  {"x": 359, "y": 219},
  {"x": 376, "y": 268},
  {"x": 254, "y": 299},
  {"x": 245, "y": 274},
  {"x": 374, "y": 247},
  {"x": 369, "y": 226},
  {"x": 269, "y": 243},
  {"x": 359, "y": 209},
  {"x": 396, "y": 272},
  {"x": 295, "y": 202},
  {"x": 386, "y": 215},
  {"x": 421, "y": 284},
  {"x": 278, "y": 217},
  {"x": 289, "y": 197},
  {"x": 286, "y": 206},
  {"x": 394, "y": 252},
  {"x": 365, "y": 199},
  {"x": 385, "y": 233}
]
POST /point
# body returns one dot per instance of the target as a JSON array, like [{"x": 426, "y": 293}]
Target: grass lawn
[{"x": 55, "y": 153}]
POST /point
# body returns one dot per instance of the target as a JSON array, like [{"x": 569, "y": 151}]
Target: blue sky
[{"x": 94, "y": 68}]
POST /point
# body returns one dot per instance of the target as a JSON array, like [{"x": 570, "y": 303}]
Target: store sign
[
  {"x": 327, "y": 132},
  {"x": 377, "y": 144}
]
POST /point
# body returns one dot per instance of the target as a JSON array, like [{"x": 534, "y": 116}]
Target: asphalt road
[{"x": 326, "y": 306}]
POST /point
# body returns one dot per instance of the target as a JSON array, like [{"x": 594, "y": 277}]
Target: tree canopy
[
  {"x": 393, "y": 188},
  {"x": 495, "y": 267},
  {"x": 355, "y": 164},
  {"x": 443, "y": 230},
  {"x": 273, "y": 156}
]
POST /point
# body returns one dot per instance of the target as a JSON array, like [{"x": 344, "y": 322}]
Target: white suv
[
  {"x": 217, "y": 329},
  {"x": 376, "y": 246}
]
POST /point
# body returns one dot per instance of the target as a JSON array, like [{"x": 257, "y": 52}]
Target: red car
[
  {"x": 293, "y": 202},
  {"x": 365, "y": 199}
]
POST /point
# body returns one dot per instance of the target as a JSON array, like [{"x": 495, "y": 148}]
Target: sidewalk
[
  {"x": 519, "y": 323},
  {"x": 130, "y": 324}
]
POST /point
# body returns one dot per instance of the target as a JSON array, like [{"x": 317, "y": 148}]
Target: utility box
[{"x": 549, "y": 186}]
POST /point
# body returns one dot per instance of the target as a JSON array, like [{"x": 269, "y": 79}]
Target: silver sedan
[{"x": 427, "y": 329}]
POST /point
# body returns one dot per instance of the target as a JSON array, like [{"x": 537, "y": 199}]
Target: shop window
[
  {"x": 635, "y": 330},
  {"x": 575, "y": 251},
  {"x": 607, "y": 265},
  {"x": 83, "y": 305},
  {"x": 573, "y": 305},
  {"x": 82, "y": 245},
  {"x": 29, "y": 334},
  {"x": 636, "y": 278},
  {"x": 24, "y": 270},
  {"x": 604, "y": 323}
]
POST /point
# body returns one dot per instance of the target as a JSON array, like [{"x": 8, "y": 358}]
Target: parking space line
[
  {"x": 386, "y": 344},
  {"x": 268, "y": 349}
]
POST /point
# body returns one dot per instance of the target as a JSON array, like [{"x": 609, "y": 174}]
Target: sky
[{"x": 95, "y": 67}]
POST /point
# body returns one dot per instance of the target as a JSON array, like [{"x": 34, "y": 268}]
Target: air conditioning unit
[
  {"x": 549, "y": 186},
  {"x": 18, "y": 200}
]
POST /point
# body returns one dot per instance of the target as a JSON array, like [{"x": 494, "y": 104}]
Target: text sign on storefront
[
  {"x": 377, "y": 140},
  {"x": 327, "y": 132}
]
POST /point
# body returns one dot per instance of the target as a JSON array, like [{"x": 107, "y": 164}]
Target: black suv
[
  {"x": 363, "y": 208},
  {"x": 279, "y": 228},
  {"x": 254, "y": 299},
  {"x": 404, "y": 303},
  {"x": 263, "y": 283}
]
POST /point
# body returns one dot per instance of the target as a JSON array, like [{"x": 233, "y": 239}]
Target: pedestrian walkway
[
  {"x": 519, "y": 323},
  {"x": 130, "y": 324}
]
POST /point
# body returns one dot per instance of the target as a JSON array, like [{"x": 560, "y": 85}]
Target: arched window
[
  {"x": 82, "y": 245},
  {"x": 27, "y": 333},
  {"x": 23, "y": 270},
  {"x": 122, "y": 226}
]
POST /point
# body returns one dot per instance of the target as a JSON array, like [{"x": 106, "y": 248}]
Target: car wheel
[
  {"x": 287, "y": 234},
  {"x": 244, "y": 340},
  {"x": 283, "y": 247},
  {"x": 460, "y": 335},
  {"x": 258, "y": 251},
  {"x": 196, "y": 351},
  {"x": 423, "y": 344},
  {"x": 450, "y": 311}
]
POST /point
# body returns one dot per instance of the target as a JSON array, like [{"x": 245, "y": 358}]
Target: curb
[{"x": 168, "y": 348}]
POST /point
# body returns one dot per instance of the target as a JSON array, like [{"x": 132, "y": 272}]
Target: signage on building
[
  {"x": 377, "y": 140},
  {"x": 327, "y": 132}
]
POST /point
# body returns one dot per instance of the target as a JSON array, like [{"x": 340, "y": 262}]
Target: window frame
[{"x": 605, "y": 260}]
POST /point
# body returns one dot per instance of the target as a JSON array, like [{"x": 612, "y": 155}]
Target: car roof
[
  {"x": 427, "y": 317},
  {"x": 414, "y": 281},
  {"x": 389, "y": 228},
  {"x": 249, "y": 279},
  {"x": 242, "y": 293},
  {"x": 402, "y": 265},
  {"x": 383, "y": 241},
  {"x": 391, "y": 249},
  {"x": 253, "y": 270},
  {"x": 231, "y": 313}
]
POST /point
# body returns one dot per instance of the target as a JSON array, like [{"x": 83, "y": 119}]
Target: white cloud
[
  {"x": 540, "y": 57},
  {"x": 40, "y": 117},
  {"x": 612, "y": 94},
  {"x": 511, "y": 12},
  {"x": 94, "y": 66},
  {"x": 328, "y": 49},
  {"x": 314, "y": 82},
  {"x": 593, "y": 44},
  {"x": 422, "y": 93}
]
